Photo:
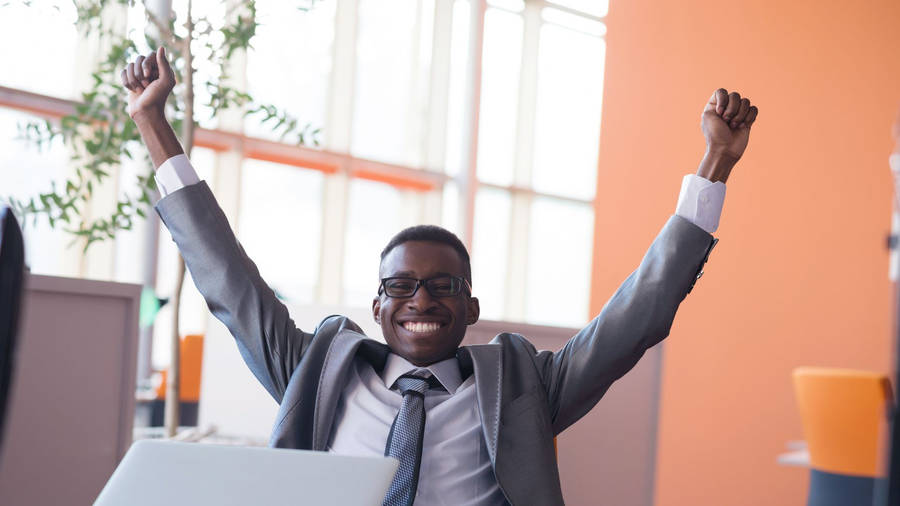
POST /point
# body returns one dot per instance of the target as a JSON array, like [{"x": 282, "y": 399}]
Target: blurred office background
[{"x": 485, "y": 117}]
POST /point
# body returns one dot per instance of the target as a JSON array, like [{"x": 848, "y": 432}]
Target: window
[
  {"x": 559, "y": 256},
  {"x": 483, "y": 116},
  {"x": 280, "y": 226},
  {"x": 41, "y": 48},
  {"x": 567, "y": 116},
  {"x": 393, "y": 53},
  {"x": 376, "y": 211},
  {"x": 490, "y": 255},
  {"x": 595, "y": 7},
  {"x": 500, "y": 80},
  {"x": 290, "y": 61},
  {"x": 27, "y": 171},
  {"x": 538, "y": 139}
]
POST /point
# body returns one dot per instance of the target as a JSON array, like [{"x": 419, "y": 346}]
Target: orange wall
[{"x": 800, "y": 275}]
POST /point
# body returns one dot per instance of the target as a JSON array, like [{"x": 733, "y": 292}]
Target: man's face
[{"x": 398, "y": 316}]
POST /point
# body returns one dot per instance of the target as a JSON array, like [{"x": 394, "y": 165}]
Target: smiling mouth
[{"x": 422, "y": 327}]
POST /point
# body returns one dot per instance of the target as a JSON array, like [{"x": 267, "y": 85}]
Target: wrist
[
  {"x": 157, "y": 134},
  {"x": 716, "y": 165},
  {"x": 148, "y": 116}
]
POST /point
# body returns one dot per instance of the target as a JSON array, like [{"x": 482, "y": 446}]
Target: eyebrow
[{"x": 410, "y": 274}]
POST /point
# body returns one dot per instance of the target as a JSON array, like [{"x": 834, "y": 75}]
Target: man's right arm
[{"x": 267, "y": 338}]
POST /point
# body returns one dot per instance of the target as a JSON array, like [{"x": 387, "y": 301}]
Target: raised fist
[
  {"x": 726, "y": 123},
  {"x": 149, "y": 81}
]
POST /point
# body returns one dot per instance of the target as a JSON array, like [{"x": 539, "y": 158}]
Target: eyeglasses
[{"x": 438, "y": 286}]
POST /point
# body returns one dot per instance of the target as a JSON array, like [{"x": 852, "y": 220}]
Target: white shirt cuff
[
  {"x": 174, "y": 174},
  {"x": 701, "y": 202}
]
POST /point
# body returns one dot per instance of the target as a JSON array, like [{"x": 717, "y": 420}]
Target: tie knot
[{"x": 415, "y": 384}]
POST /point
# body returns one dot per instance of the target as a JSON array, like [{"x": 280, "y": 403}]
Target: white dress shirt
[{"x": 456, "y": 467}]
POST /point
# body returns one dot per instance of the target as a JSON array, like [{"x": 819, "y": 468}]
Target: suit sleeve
[
  {"x": 229, "y": 281},
  {"x": 638, "y": 316}
]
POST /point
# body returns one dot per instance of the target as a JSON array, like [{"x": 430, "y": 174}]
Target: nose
[{"x": 421, "y": 301}]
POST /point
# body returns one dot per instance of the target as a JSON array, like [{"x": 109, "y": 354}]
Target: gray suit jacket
[{"x": 525, "y": 396}]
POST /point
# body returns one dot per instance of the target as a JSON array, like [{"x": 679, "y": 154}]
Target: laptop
[{"x": 172, "y": 473}]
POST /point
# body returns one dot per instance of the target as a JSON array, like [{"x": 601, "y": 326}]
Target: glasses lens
[
  {"x": 400, "y": 287},
  {"x": 443, "y": 286}
]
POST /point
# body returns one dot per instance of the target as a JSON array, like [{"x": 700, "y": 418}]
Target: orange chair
[
  {"x": 189, "y": 384},
  {"x": 845, "y": 420},
  {"x": 191, "y": 365}
]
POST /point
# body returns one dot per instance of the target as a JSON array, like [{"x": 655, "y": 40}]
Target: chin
[{"x": 421, "y": 358}]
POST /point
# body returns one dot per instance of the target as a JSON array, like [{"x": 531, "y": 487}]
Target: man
[{"x": 470, "y": 425}]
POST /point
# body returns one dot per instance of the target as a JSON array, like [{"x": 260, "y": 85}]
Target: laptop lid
[{"x": 173, "y": 473}]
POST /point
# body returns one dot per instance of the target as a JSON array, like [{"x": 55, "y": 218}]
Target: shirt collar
[{"x": 446, "y": 371}]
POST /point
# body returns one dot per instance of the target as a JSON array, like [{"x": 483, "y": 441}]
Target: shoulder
[
  {"x": 327, "y": 331},
  {"x": 512, "y": 342},
  {"x": 334, "y": 324}
]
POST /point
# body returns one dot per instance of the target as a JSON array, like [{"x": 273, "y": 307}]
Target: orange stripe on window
[
  {"x": 210, "y": 142},
  {"x": 289, "y": 159},
  {"x": 398, "y": 181}
]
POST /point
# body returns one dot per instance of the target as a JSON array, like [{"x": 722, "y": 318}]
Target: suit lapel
[
  {"x": 485, "y": 361},
  {"x": 332, "y": 380},
  {"x": 487, "y": 364}
]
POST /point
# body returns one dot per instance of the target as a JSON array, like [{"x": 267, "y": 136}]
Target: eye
[
  {"x": 443, "y": 285},
  {"x": 400, "y": 284}
]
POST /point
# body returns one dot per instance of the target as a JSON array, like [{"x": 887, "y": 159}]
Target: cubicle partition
[{"x": 72, "y": 403}]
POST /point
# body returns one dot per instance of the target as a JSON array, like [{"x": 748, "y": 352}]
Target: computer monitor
[{"x": 12, "y": 273}]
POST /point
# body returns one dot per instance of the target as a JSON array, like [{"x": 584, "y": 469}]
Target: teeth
[{"x": 421, "y": 326}]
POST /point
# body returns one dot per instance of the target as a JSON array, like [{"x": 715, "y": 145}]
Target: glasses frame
[{"x": 421, "y": 283}]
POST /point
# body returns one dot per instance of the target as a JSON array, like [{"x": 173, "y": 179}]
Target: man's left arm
[{"x": 641, "y": 312}]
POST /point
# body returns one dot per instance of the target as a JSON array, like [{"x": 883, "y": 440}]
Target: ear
[
  {"x": 376, "y": 309},
  {"x": 474, "y": 311}
]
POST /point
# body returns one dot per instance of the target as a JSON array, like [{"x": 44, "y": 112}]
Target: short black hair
[{"x": 432, "y": 233}]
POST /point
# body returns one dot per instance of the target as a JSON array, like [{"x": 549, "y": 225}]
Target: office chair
[
  {"x": 188, "y": 388},
  {"x": 845, "y": 418},
  {"x": 12, "y": 274}
]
